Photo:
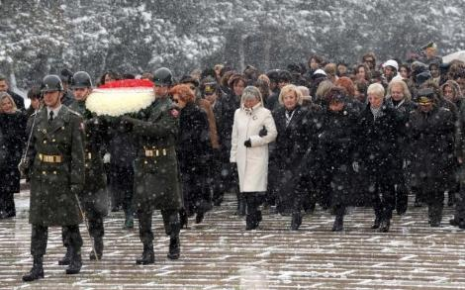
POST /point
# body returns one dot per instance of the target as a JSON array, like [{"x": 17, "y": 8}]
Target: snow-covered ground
[{"x": 220, "y": 254}]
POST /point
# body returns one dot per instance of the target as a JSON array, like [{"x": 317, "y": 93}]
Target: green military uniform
[
  {"x": 156, "y": 177},
  {"x": 56, "y": 155},
  {"x": 57, "y": 165},
  {"x": 94, "y": 197}
]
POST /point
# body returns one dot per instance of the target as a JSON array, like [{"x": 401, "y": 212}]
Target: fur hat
[{"x": 391, "y": 63}]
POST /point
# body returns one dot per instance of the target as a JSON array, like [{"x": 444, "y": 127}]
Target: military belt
[
  {"x": 51, "y": 158},
  {"x": 155, "y": 152}
]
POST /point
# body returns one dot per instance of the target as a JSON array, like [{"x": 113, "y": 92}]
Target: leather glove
[
  {"x": 106, "y": 158},
  {"x": 248, "y": 143},
  {"x": 125, "y": 124},
  {"x": 263, "y": 132},
  {"x": 23, "y": 167}
]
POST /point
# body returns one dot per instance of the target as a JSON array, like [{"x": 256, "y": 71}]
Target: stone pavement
[{"x": 220, "y": 254}]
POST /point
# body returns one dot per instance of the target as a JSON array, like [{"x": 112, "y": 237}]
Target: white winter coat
[{"x": 252, "y": 162}]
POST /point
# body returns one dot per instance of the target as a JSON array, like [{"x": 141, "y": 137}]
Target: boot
[
  {"x": 67, "y": 258},
  {"x": 199, "y": 217},
  {"x": 253, "y": 220},
  {"x": 98, "y": 246},
  {"x": 175, "y": 248},
  {"x": 296, "y": 221},
  {"x": 338, "y": 225},
  {"x": 241, "y": 204},
  {"x": 37, "y": 270},
  {"x": 75, "y": 263},
  {"x": 128, "y": 221},
  {"x": 148, "y": 256},
  {"x": 385, "y": 225},
  {"x": 377, "y": 222},
  {"x": 454, "y": 222}
]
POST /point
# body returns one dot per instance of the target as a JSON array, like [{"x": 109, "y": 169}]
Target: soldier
[
  {"x": 156, "y": 177},
  {"x": 55, "y": 161},
  {"x": 94, "y": 198}
]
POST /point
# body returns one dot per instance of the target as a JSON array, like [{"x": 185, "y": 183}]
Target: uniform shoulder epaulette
[{"x": 74, "y": 112}]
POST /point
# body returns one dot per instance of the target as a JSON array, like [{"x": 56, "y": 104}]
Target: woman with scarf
[{"x": 253, "y": 130}]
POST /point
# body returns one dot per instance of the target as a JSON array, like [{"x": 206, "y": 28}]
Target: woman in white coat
[{"x": 253, "y": 130}]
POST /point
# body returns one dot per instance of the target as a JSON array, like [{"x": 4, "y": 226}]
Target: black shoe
[
  {"x": 461, "y": 224},
  {"x": 36, "y": 272},
  {"x": 148, "y": 256},
  {"x": 385, "y": 225},
  {"x": 376, "y": 223},
  {"x": 67, "y": 258},
  {"x": 296, "y": 221},
  {"x": 401, "y": 210},
  {"x": 338, "y": 225},
  {"x": 75, "y": 264},
  {"x": 453, "y": 222},
  {"x": 199, "y": 217},
  {"x": 98, "y": 247},
  {"x": 253, "y": 220},
  {"x": 175, "y": 248}
]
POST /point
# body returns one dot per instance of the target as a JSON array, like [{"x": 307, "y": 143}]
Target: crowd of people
[{"x": 325, "y": 134}]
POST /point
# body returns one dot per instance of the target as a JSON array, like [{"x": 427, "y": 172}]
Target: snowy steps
[{"x": 220, "y": 254}]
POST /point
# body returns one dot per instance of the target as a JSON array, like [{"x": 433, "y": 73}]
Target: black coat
[
  {"x": 12, "y": 142},
  {"x": 431, "y": 139},
  {"x": 378, "y": 148},
  {"x": 19, "y": 101},
  {"x": 193, "y": 146},
  {"x": 291, "y": 145},
  {"x": 227, "y": 105},
  {"x": 334, "y": 155}
]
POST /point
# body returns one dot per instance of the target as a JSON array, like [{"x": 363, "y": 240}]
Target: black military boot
[
  {"x": 296, "y": 221},
  {"x": 148, "y": 256},
  {"x": 385, "y": 225},
  {"x": 98, "y": 247},
  {"x": 338, "y": 225},
  {"x": 75, "y": 263},
  {"x": 37, "y": 270},
  {"x": 67, "y": 258},
  {"x": 175, "y": 248}
]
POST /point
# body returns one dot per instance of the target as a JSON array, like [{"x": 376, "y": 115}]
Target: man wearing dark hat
[
  {"x": 55, "y": 161},
  {"x": 94, "y": 198},
  {"x": 156, "y": 176},
  {"x": 430, "y": 51},
  {"x": 431, "y": 132}
]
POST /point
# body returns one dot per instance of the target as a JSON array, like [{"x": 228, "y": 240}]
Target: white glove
[
  {"x": 355, "y": 166},
  {"x": 106, "y": 158}
]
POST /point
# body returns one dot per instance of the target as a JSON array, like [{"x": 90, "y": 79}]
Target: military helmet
[
  {"x": 81, "y": 79},
  {"x": 51, "y": 83},
  {"x": 163, "y": 77}
]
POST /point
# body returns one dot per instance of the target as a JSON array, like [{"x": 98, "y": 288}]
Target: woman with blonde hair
[
  {"x": 253, "y": 130},
  {"x": 296, "y": 126},
  {"x": 12, "y": 141}
]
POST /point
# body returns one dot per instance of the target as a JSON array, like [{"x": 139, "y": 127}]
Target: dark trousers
[
  {"x": 383, "y": 198},
  {"x": 7, "y": 204},
  {"x": 39, "y": 237},
  {"x": 170, "y": 222},
  {"x": 460, "y": 206},
  {"x": 121, "y": 187}
]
